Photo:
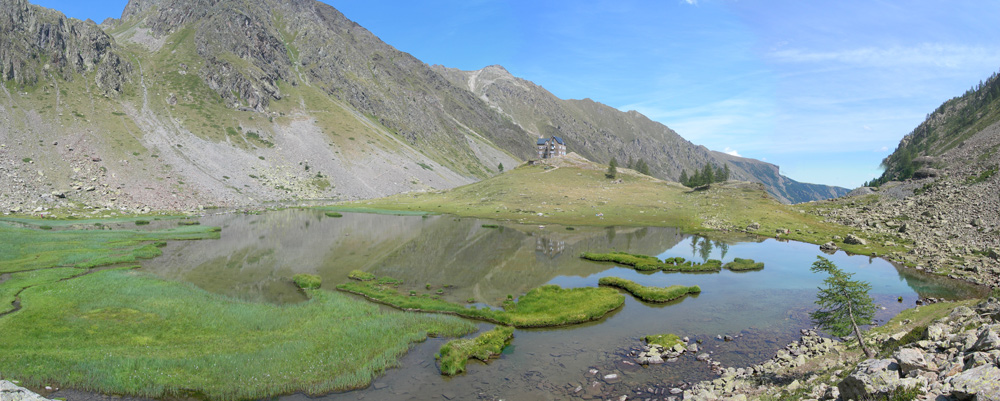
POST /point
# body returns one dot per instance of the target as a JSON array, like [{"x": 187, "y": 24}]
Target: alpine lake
[{"x": 482, "y": 261}]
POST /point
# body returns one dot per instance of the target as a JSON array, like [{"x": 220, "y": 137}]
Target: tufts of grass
[
  {"x": 544, "y": 306},
  {"x": 491, "y": 226},
  {"x": 739, "y": 265},
  {"x": 647, "y": 293},
  {"x": 28, "y": 249},
  {"x": 651, "y": 263},
  {"x": 333, "y": 214},
  {"x": 665, "y": 340},
  {"x": 455, "y": 353},
  {"x": 307, "y": 281},
  {"x": 188, "y": 223},
  {"x": 148, "y": 337},
  {"x": 360, "y": 275},
  {"x": 19, "y": 281},
  {"x": 141, "y": 222}
]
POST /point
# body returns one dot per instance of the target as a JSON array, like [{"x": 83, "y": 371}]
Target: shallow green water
[{"x": 463, "y": 260}]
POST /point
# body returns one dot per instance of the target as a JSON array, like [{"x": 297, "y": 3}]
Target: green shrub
[
  {"x": 141, "y": 222},
  {"x": 45, "y": 227},
  {"x": 491, "y": 226},
  {"x": 333, "y": 214},
  {"x": 307, "y": 281}
]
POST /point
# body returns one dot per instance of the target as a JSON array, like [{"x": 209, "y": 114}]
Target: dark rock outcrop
[{"x": 39, "y": 43}]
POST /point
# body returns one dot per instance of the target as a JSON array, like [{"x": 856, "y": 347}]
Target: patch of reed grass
[
  {"x": 651, "y": 263},
  {"x": 544, "y": 306},
  {"x": 19, "y": 281},
  {"x": 666, "y": 340},
  {"x": 739, "y": 265},
  {"x": 647, "y": 293},
  {"x": 29, "y": 249},
  {"x": 360, "y": 275},
  {"x": 148, "y": 337},
  {"x": 455, "y": 353},
  {"x": 307, "y": 281}
]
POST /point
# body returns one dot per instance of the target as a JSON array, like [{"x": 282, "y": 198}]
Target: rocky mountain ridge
[
  {"x": 182, "y": 103},
  {"x": 600, "y": 132}
]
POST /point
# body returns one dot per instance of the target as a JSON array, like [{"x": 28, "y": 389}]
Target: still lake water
[{"x": 765, "y": 310}]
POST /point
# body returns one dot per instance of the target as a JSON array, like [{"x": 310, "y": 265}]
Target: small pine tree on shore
[
  {"x": 844, "y": 304},
  {"x": 612, "y": 169}
]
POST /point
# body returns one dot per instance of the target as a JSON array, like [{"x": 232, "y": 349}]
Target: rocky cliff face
[
  {"x": 599, "y": 132},
  {"x": 39, "y": 44}
]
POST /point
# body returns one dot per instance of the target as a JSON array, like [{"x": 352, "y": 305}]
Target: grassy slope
[
  {"x": 577, "y": 191},
  {"x": 150, "y": 337},
  {"x": 124, "y": 332}
]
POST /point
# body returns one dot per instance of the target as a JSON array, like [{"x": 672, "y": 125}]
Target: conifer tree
[
  {"x": 684, "y": 180},
  {"x": 844, "y": 304},
  {"x": 612, "y": 169}
]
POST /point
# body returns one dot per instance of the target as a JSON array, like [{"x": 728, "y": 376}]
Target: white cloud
[
  {"x": 884, "y": 149},
  {"x": 691, "y": 2},
  {"x": 867, "y": 128},
  {"x": 928, "y": 54},
  {"x": 731, "y": 152}
]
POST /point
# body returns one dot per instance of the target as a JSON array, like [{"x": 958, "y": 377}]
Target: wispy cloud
[
  {"x": 927, "y": 54},
  {"x": 691, "y": 2},
  {"x": 731, "y": 152}
]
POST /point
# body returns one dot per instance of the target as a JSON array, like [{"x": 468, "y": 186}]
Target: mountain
[
  {"x": 600, "y": 132},
  {"x": 961, "y": 122},
  {"x": 182, "y": 103},
  {"x": 940, "y": 192}
]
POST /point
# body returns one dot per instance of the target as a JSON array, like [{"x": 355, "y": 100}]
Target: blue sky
[{"x": 825, "y": 90}]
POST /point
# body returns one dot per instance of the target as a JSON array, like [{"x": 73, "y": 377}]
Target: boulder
[
  {"x": 981, "y": 384},
  {"x": 854, "y": 240},
  {"x": 911, "y": 360},
  {"x": 12, "y": 392},
  {"x": 874, "y": 378},
  {"x": 829, "y": 246},
  {"x": 987, "y": 338}
]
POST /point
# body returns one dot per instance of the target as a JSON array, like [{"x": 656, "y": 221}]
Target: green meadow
[
  {"x": 647, "y": 293},
  {"x": 545, "y": 306}
]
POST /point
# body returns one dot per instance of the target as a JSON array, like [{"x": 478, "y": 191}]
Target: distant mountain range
[{"x": 188, "y": 102}]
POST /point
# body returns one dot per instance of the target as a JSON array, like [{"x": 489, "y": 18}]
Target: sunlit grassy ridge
[
  {"x": 545, "y": 306},
  {"x": 576, "y": 192},
  {"x": 145, "y": 336},
  {"x": 648, "y": 293}
]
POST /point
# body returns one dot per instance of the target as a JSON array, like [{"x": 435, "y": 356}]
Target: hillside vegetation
[
  {"x": 949, "y": 126},
  {"x": 573, "y": 191}
]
